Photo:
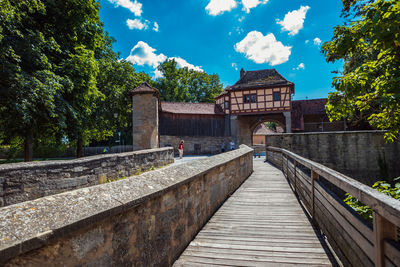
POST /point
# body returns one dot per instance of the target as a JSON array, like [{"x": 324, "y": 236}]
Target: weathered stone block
[{"x": 125, "y": 223}]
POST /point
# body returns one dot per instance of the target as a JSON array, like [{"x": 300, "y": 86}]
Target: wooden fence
[{"x": 355, "y": 241}]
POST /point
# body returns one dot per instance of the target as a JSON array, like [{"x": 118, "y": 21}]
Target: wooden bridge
[{"x": 295, "y": 217}]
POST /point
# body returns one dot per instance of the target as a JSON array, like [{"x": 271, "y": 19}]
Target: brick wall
[
  {"x": 358, "y": 154},
  {"x": 30, "y": 180},
  {"x": 146, "y": 220}
]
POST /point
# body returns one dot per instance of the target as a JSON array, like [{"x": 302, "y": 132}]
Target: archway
[
  {"x": 247, "y": 124},
  {"x": 265, "y": 128}
]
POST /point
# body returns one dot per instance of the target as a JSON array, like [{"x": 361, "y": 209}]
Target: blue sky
[{"x": 222, "y": 36}]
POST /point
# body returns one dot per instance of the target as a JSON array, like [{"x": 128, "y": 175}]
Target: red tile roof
[{"x": 191, "y": 108}]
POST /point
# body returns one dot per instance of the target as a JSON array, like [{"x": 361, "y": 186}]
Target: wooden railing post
[
  {"x": 383, "y": 229},
  {"x": 287, "y": 167},
  {"x": 282, "y": 161},
  {"x": 295, "y": 175},
  {"x": 314, "y": 177}
]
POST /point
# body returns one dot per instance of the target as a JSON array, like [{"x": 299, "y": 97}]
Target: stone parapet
[
  {"x": 146, "y": 220},
  {"x": 363, "y": 155},
  {"x": 30, "y": 180},
  {"x": 195, "y": 145}
]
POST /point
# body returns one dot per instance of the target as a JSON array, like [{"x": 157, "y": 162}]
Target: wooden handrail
[
  {"x": 380, "y": 203},
  {"x": 386, "y": 210}
]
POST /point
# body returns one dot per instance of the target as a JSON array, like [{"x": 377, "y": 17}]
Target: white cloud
[
  {"x": 293, "y": 21},
  {"x": 263, "y": 49},
  {"x": 239, "y": 30},
  {"x": 248, "y": 4},
  {"x": 317, "y": 41},
  {"x": 155, "y": 27},
  {"x": 241, "y": 18},
  {"x": 300, "y": 66},
  {"x": 306, "y": 42},
  {"x": 135, "y": 7},
  {"x": 157, "y": 74},
  {"x": 216, "y": 7},
  {"x": 137, "y": 24},
  {"x": 183, "y": 63},
  {"x": 234, "y": 65},
  {"x": 143, "y": 54}
]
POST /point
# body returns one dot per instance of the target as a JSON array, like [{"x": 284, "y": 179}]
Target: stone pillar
[
  {"x": 145, "y": 109},
  {"x": 288, "y": 118}
]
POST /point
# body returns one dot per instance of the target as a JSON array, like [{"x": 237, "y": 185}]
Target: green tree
[
  {"x": 186, "y": 85},
  {"x": 116, "y": 80},
  {"x": 29, "y": 84},
  {"x": 49, "y": 53},
  {"x": 369, "y": 86}
]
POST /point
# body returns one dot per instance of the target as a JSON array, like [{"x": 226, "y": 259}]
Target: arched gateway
[{"x": 258, "y": 96}]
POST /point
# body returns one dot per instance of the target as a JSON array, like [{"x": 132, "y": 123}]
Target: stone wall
[
  {"x": 30, "y": 180},
  {"x": 361, "y": 155},
  {"x": 146, "y": 220},
  {"x": 206, "y": 144},
  {"x": 144, "y": 121}
]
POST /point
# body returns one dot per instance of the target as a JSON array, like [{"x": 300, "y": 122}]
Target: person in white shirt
[{"x": 232, "y": 144}]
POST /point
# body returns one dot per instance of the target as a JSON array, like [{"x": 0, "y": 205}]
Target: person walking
[
  {"x": 223, "y": 147},
  {"x": 180, "y": 149},
  {"x": 232, "y": 144}
]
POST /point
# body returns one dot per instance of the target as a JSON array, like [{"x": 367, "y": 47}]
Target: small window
[
  {"x": 250, "y": 98},
  {"x": 277, "y": 96},
  {"x": 226, "y": 104}
]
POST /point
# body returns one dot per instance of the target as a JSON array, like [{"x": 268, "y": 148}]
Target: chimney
[{"x": 242, "y": 72}]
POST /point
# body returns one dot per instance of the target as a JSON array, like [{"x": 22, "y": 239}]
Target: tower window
[
  {"x": 277, "y": 96},
  {"x": 250, "y": 98}
]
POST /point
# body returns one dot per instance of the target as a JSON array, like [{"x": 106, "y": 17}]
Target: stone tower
[{"x": 145, "y": 107}]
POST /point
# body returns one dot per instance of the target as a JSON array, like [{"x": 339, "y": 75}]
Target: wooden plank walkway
[{"x": 261, "y": 224}]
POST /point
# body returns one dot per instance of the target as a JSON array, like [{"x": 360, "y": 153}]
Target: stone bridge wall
[
  {"x": 362, "y": 155},
  {"x": 26, "y": 181},
  {"x": 207, "y": 144},
  {"x": 146, "y": 220}
]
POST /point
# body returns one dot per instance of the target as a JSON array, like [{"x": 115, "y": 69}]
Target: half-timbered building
[
  {"x": 258, "y": 96},
  {"x": 257, "y": 92}
]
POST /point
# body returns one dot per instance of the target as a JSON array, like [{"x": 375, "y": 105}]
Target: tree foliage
[
  {"x": 381, "y": 186},
  {"x": 186, "y": 85},
  {"x": 369, "y": 86},
  {"x": 59, "y": 76}
]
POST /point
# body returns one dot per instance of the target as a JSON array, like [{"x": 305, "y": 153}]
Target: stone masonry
[
  {"x": 145, "y": 121},
  {"x": 197, "y": 144},
  {"x": 362, "y": 155},
  {"x": 146, "y": 220},
  {"x": 26, "y": 181}
]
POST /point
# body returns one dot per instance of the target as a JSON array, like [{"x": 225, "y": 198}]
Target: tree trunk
[
  {"x": 28, "y": 146},
  {"x": 79, "y": 148}
]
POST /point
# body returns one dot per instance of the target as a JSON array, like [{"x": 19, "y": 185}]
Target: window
[
  {"x": 250, "y": 98},
  {"x": 277, "y": 96},
  {"x": 226, "y": 104}
]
